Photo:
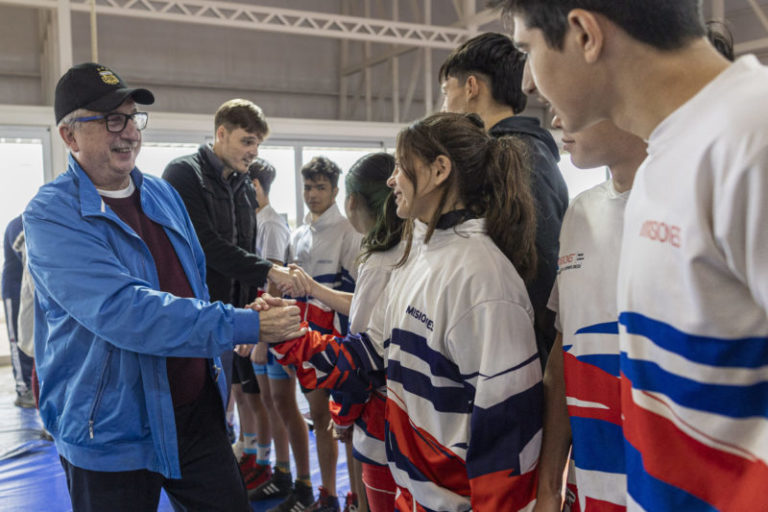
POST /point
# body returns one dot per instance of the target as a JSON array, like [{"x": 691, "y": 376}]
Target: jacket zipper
[
  {"x": 113, "y": 218},
  {"x": 99, "y": 393}
]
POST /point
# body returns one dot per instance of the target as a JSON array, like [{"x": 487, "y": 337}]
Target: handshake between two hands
[
  {"x": 279, "y": 320},
  {"x": 292, "y": 280}
]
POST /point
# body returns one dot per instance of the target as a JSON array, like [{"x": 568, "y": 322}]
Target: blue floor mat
[{"x": 31, "y": 477}]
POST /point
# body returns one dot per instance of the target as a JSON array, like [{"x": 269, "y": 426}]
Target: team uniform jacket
[
  {"x": 327, "y": 250},
  {"x": 463, "y": 410},
  {"x": 693, "y": 304},
  {"x": 325, "y": 361},
  {"x": 585, "y": 301},
  {"x": 103, "y": 329}
]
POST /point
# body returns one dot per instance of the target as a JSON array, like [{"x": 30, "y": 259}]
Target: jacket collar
[
  {"x": 329, "y": 217},
  {"x": 462, "y": 228},
  {"x": 90, "y": 200},
  {"x": 523, "y": 125},
  {"x": 216, "y": 167}
]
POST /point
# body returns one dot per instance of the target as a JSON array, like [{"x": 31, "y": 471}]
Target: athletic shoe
[
  {"x": 258, "y": 475},
  {"x": 350, "y": 503},
  {"x": 278, "y": 486},
  {"x": 25, "y": 400},
  {"x": 246, "y": 463},
  {"x": 325, "y": 502},
  {"x": 300, "y": 499}
]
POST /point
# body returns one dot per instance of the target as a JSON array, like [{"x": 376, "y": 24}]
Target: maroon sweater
[{"x": 186, "y": 375}]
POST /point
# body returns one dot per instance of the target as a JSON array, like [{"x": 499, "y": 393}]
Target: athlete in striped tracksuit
[{"x": 463, "y": 409}]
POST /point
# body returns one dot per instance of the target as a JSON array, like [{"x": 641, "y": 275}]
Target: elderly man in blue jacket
[{"x": 125, "y": 336}]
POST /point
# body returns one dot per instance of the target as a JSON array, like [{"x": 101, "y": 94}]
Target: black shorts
[{"x": 242, "y": 373}]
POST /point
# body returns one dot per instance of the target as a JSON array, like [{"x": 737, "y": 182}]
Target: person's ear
[
  {"x": 221, "y": 132},
  {"x": 441, "y": 169},
  {"x": 67, "y": 134},
  {"x": 471, "y": 87},
  {"x": 587, "y": 32},
  {"x": 335, "y": 192}
]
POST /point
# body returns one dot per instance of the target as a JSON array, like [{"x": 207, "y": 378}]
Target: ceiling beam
[
  {"x": 271, "y": 19},
  {"x": 751, "y": 46}
]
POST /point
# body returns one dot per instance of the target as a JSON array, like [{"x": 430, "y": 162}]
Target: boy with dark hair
[
  {"x": 263, "y": 172},
  {"x": 693, "y": 279},
  {"x": 326, "y": 246},
  {"x": 492, "y": 58},
  {"x": 484, "y": 75},
  {"x": 586, "y": 374},
  {"x": 587, "y": 371},
  {"x": 321, "y": 169}
]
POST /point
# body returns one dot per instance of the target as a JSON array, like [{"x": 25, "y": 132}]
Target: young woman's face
[{"x": 412, "y": 203}]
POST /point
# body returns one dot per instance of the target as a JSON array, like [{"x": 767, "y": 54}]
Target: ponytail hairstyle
[
  {"x": 367, "y": 180},
  {"x": 491, "y": 177},
  {"x": 721, "y": 38}
]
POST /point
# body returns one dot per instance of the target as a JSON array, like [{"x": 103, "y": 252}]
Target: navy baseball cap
[{"x": 94, "y": 87}]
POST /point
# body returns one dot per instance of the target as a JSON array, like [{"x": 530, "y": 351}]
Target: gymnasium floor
[{"x": 31, "y": 478}]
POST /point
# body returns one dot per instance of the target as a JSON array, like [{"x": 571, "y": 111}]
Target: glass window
[
  {"x": 154, "y": 156},
  {"x": 22, "y": 174},
  {"x": 344, "y": 158},
  {"x": 579, "y": 180}
]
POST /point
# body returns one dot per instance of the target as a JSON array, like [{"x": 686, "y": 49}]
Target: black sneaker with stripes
[
  {"x": 299, "y": 500},
  {"x": 279, "y": 485}
]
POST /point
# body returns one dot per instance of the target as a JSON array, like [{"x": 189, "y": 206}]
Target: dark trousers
[{"x": 210, "y": 478}]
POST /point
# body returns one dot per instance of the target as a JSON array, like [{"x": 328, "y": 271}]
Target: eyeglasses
[{"x": 116, "y": 122}]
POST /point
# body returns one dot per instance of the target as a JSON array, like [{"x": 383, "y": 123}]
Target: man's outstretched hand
[{"x": 279, "y": 319}]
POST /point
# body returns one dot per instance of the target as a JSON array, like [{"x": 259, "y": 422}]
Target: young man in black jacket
[
  {"x": 484, "y": 76},
  {"x": 216, "y": 189}
]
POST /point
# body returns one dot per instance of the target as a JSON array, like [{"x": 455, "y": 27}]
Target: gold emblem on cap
[{"x": 108, "y": 77}]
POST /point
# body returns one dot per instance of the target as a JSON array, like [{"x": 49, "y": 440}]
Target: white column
[{"x": 63, "y": 32}]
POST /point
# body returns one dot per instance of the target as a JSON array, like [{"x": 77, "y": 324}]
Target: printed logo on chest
[
  {"x": 421, "y": 317},
  {"x": 661, "y": 232},
  {"x": 571, "y": 261}
]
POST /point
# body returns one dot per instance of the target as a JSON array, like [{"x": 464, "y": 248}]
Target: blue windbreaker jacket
[{"x": 103, "y": 329}]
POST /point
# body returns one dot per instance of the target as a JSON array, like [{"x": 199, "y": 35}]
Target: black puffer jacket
[
  {"x": 551, "y": 195},
  {"x": 223, "y": 213}
]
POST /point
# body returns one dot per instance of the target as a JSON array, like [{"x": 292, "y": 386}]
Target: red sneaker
[
  {"x": 257, "y": 475},
  {"x": 246, "y": 463}
]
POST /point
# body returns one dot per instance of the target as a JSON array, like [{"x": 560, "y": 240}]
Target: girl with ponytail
[
  {"x": 319, "y": 359},
  {"x": 464, "y": 384}
]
